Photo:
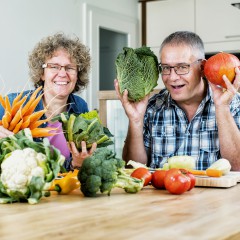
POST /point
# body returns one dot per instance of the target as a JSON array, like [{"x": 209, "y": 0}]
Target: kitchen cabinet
[
  {"x": 165, "y": 17},
  {"x": 217, "y": 22}
]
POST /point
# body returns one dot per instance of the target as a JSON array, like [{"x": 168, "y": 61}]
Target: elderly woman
[{"x": 61, "y": 66}]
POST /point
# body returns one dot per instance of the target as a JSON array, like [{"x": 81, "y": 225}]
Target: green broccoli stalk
[{"x": 103, "y": 171}]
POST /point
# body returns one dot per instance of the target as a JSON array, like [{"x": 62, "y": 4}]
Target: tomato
[
  {"x": 192, "y": 178},
  {"x": 158, "y": 179},
  {"x": 177, "y": 181},
  {"x": 142, "y": 173}
]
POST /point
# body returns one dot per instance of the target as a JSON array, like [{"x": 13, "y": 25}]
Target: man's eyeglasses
[
  {"x": 180, "y": 69},
  {"x": 55, "y": 68}
]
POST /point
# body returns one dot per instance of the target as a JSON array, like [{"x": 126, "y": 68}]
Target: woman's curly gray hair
[{"x": 45, "y": 49}]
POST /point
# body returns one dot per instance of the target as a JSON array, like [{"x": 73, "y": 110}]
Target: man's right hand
[{"x": 134, "y": 110}]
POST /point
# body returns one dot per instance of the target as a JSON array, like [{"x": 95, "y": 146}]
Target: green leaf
[
  {"x": 35, "y": 186},
  {"x": 70, "y": 127},
  {"x": 86, "y": 127}
]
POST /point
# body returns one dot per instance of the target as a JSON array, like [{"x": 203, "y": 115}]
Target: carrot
[
  {"x": 209, "y": 172},
  {"x": 34, "y": 94},
  {"x": 18, "y": 126},
  {"x": 25, "y": 123},
  {"x": 8, "y": 107},
  {"x": 5, "y": 121},
  {"x": 30, "y": 101},
  {"x": 37, "y": 115},
  {"x": 36, "y": 91},
  {"x": 197, "y": 172},
  {"x": 15, "y": 120},
  {"x": 0, "y": 122},
  {"x": 25, "y": 118},
  {"x": 21, "y": 112},
  {"x": 43, "y": 132},
  {"x": 17, "y": 105},
  {"x": 38, "y": 123},
  {"x": 33, "y": 105},
  {"x": 213, "y": 172},
  {"x": 2, "y": 101},
  {"x": 17, "y": 98}
]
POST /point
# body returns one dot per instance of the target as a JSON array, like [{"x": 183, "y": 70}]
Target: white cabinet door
[
  {"x": 217, "y": 23},
  {"x": 165, "y": 17}
]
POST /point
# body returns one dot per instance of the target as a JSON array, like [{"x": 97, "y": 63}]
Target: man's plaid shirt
[{"x": 167, "y": 131}]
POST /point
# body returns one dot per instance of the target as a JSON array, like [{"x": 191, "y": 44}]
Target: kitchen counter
[{"x": 202, "y": 213}]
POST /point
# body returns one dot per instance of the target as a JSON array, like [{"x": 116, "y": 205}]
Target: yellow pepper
[{"x": 66, "y": 184}]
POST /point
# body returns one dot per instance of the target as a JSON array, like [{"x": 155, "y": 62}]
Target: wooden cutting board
[{"x": 225, "y": 181}]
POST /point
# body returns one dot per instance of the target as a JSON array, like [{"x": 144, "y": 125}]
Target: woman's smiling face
[{"x": 62, "y": 82}]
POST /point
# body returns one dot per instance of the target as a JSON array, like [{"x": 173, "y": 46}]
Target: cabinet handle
[{"x": 232, "y": 36}]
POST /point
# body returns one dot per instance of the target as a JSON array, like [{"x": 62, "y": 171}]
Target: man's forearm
[
  {"x": 229, "y": 137},
  {"x": 134, "y": 147}
]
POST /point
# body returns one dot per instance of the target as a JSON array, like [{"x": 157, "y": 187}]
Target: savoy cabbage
[{"x": 137, "y": 71}]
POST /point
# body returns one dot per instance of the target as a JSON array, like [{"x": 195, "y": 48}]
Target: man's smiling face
[{"x": 181, "y": 87}]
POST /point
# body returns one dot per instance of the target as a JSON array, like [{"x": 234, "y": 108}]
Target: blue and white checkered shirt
[{"x": 167, "y": 131}]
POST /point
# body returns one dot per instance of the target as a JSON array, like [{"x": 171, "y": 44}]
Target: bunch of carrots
[{"x": 19, "y": 116}]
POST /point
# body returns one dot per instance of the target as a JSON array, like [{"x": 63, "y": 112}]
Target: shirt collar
[{"x": 72, "y": 106}]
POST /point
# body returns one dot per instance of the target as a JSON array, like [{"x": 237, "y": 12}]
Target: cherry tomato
[
  {"x": 177, "y": 181},
  {"x": 142, "y": 173},
  {"x": 158, "y": 179},
  {"x": 192, "y": 178}
]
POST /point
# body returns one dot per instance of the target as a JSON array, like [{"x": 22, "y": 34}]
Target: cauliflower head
[
  {"x": 27, "y": 168},
  {"x": 20, "y": 167}
]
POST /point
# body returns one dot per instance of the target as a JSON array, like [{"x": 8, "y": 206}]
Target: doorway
[
  {"x": 100, "y": 23},
  {"x": 111, "y": 44},
  {"x": 106, "y": 33}
]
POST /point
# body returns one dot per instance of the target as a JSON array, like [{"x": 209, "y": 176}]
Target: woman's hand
[
  {"x": 134, "y": 110},
  {"x": 223, "y": 98},
  {"x": 4, "y": 132},
  {"x": 78, "y": 157}
]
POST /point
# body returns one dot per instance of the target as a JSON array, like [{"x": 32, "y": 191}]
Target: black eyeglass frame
[
  {"x": 176, "y": 68},
  {"x": 68, "y": 68}
]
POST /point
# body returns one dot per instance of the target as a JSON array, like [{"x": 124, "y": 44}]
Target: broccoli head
[{"x": 103, "y": 171}]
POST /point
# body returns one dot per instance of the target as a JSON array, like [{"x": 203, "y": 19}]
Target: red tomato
[
  {"x": 177, "y": 181},
  {"x": 158, "y": 179},
  {"x": 192, "y": 178},
  {"x": 142, "y": 173}
]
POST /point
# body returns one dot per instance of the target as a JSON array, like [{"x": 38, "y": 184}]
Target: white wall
[{"x": 24, "y": 22}]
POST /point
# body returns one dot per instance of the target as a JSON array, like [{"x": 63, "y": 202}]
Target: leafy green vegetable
[
  {"x": 84, "y": 127},
  {"x": 103, "y": 171},
  {"x": 90, "y": 115},
  {"x": 27, "y": 168},
  {"x": 137, "y": 71}
]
